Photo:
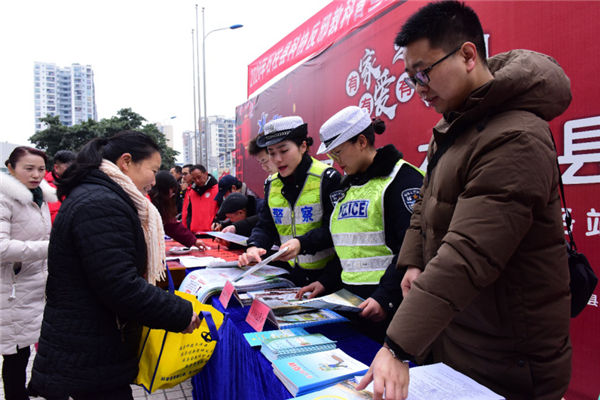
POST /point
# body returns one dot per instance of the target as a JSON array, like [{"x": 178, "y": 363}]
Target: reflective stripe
[
  {"x": 366, "y": 264},
  {"x": 359, "y": 239}
]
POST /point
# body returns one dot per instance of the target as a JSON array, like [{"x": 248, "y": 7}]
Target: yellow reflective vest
[
  {"x": 358, "y": 231},
  {"x": 305, "y": 215}
]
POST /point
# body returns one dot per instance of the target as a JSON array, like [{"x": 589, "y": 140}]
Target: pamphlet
[
  {"x": 304, "y": 320},
  {"x": 312, "y": 372},
  {"x": 260, "y": 265},
  {"x": 342, "y": 300}
]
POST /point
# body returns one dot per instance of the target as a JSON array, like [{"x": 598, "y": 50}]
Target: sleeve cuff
[{"x": 400, "y": 353}]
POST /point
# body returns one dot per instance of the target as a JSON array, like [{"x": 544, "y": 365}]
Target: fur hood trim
[{"x": 14, "y": 189}]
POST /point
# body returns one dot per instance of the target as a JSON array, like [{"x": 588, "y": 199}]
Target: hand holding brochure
[
  {"x": 260, "y": 264},
  {"x": 342, "y": 300}
]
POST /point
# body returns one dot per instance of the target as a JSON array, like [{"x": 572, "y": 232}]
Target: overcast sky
[{"x": 141, "y": 53}]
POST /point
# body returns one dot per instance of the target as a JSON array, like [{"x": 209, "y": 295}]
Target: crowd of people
[{"x": 464, "y": 263}]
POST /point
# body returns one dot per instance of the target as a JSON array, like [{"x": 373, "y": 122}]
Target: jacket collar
[
  {"x": 383, "y": 164},
  {"x": 98, "y": 177},
  {"x": 210, "y": 182},
  {"x": 15, "y": 190}
]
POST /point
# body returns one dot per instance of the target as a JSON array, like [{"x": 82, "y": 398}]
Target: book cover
[
  {"x": 345, "y": 390},
  {"x": 308, "y": 373},
  {"x": 279, "y": 348},
  {"x": 304, "y": 320},
  {"x": 256, "y": 338}
]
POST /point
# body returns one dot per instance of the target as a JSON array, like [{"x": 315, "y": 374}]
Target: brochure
[
  {"x": 342, "y": 300},
  {"x": 279, "y": 348},
  {"x": 205, "y": 283},
  {"x": 281, "y": 300},
  {"x": 312, "y": 372},
  {"x": 255, "y": 338}
]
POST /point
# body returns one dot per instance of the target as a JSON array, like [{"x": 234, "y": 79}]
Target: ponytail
[{"x": 89, "y": 158}]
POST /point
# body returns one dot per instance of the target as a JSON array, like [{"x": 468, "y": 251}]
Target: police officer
[
  {"x": 370, "y": 216},
  {"x": 299, "y": 204}
]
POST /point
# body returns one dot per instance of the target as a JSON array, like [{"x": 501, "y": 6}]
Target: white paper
[{"x": 195, "y": 262}]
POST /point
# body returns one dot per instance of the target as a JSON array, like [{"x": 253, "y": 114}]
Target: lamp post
[{"x": 205, "y": 124}]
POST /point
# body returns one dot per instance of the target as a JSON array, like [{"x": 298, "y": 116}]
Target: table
[
  {"x": 238, "y": 371},
  {"x": 178, "y": 271}
]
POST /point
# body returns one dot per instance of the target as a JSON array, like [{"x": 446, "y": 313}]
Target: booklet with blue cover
[
  {"x": 279, "y": 348},
  {"x": 345, "y": 390},
  {"x": 312, "y": 372},
  {"x": 305, "y": 319},
  {"x": 256, "y": 338}
]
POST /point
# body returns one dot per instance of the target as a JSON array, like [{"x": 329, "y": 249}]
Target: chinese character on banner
[
  {"x": 403, "y": 91},
  {"x": 593, "y": 223},
  {"x": 582, "y": 145},
  {"x": 383, "y": 80},
  {"x": 593, "y": 301}
]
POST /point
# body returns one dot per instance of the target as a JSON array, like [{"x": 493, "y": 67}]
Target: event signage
[{"x": 257, "y": 315}]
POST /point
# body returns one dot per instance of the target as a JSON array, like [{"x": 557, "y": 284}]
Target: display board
[{"x": 364, "y": 68}]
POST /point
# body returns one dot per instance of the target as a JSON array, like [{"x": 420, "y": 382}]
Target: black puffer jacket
[{"x": 97, "y": 298}]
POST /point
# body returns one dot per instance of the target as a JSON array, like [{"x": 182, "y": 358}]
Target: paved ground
[{"x": 180, "y": 392}]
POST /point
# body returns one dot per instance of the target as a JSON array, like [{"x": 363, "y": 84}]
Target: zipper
[
  {"x": 121, "y": 328},
  {"x": 14, "y": 284}
]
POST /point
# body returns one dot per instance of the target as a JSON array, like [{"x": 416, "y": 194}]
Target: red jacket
[
  {"x": 49, "y": 177},
  {"x": 200, "y": 207}
]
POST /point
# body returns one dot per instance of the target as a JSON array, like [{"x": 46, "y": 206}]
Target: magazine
[
  {"x": 205, "y": 283},
  {"x": 304, "y": 320},
  {"x": 281, "y": 300}
]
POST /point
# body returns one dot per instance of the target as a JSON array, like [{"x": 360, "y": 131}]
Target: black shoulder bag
[{"x": 583, "y": 279}]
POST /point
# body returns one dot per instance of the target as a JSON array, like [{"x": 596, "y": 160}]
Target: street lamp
[{"x": 206, "y": 133}]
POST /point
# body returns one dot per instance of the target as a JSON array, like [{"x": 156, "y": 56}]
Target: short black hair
[
  {"x": 178, "y": 169},
  {"x": 199, "y": 167},
  {"x": 253, "y": 148},
  {"x": 187, "y": 166},
  {"x": 64, "y": 157},
  {"x": 447, "y": 25}
]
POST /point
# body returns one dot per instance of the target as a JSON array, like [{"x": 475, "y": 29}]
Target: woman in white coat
[{"x": 24, "y": 235}]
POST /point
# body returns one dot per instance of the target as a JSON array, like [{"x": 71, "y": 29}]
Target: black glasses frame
[{"x": 421, "y": 77}]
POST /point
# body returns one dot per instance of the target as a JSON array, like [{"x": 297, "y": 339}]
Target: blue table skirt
[{"x": 238, "y": 371}]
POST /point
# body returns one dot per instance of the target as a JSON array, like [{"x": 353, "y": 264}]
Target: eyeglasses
[
  {"x": 335, "y": 156},
  {"x": 421, "y": 77}
]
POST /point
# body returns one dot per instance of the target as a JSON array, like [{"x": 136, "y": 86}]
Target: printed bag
[{"x": 166, "y": 358}]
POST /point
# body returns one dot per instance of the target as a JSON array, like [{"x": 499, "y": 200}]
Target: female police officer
[
  {"x": 298, "y": 200},
  {"x": 370, "y": 216}
]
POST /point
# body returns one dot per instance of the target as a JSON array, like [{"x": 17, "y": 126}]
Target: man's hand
[
  {"x": 316, "y": 288},
  {"x": 252, "y": 254},
  {"x": 372, "y": 310},
  {"x": 387, "y": 373},
  {"x": 216, "y": 227},
  {"x": 292, "y": 252},
  {"x": 194, "y": 324},
  {"x": 201, "y": 245},
  {"x": 412, "y": 273},
  {"x": 230, "y": 229}
]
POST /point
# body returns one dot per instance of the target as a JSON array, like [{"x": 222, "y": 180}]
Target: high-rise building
[
  {"x": 68, "y": 92},
  {"x": 188, "y": 147},
  {"x": 166, "y": 130},
  {"x": 221, "y": 134}
]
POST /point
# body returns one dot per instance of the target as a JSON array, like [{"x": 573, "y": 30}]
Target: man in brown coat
[{"x": 487, "y": 282}]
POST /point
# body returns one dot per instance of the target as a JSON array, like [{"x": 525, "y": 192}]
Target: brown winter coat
[{"x": 493, "y": 300}]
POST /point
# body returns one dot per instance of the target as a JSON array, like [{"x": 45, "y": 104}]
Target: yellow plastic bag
[{"x": 166, "y": 359}]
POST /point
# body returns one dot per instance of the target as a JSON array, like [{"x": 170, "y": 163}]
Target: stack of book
[{"x": 286, "y": 347}]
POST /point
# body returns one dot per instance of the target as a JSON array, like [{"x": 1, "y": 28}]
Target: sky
[{"x": 141, "y": 53}]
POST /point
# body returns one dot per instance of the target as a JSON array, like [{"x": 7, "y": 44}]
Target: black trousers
[{"x": 14, "y": 374}]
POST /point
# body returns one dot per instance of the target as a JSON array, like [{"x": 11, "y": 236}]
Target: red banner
[
  {"x": 364, "y": 68},
  {"x": 334, "y": 21}
]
